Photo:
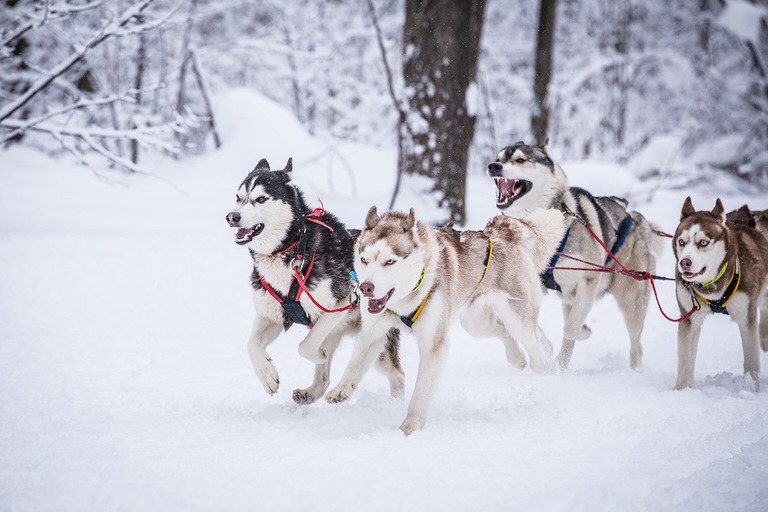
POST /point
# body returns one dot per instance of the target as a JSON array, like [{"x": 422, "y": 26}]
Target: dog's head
[
  {"x": 526, "y": 178},
  {"x": 389, "y": 258},
  {"x": 702, "y": 242},
  {"x": 266, "y": 205}
]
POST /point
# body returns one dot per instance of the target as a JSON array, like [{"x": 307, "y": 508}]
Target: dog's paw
[
  {"x": 304, "y": 396},
  {"x": 339, "y": 393},
  {"x": 680, "y": 385},
  {"x": 411, "y": 424},
  {"x": 268, "y": 376},
  {"x": 541, "y": 366},
  {"x": 584, "y": 333},
  {"x": 308, "y": 352}
]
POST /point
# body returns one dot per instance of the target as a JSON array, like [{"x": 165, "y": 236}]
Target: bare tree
[
  {"x": 441, "y": 45},
  {"x": 543, "y": 69}
]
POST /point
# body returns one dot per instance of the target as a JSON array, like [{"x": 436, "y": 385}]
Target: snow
[
  {"x": 125, "y": 382},
  {"x": 743, "y": 19}
]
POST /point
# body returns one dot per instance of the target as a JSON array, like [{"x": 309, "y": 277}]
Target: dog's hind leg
[
  {"x": 263, "y": 333},
  {"x": 633, "y": 298},
  {"x": 480, "y": 320},
  {"x": 388, "y": 363},
  {"x": 750, "y": 344},
  {"x": 764, "y": 324},
  {"x": 526, "y": 331}
]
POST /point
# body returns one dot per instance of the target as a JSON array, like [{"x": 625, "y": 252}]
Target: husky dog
[
  {"x": 286, "y": 239},
  {"x": 722, "y": 267},
  {"x": 527, "y": 178},
  {"x": 419, "y": 277}
]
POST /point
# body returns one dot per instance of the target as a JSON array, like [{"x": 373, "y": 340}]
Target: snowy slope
[{"x": 125, "y": 383}]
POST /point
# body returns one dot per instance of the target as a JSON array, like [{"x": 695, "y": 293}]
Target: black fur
[{"x": 333, "y": 250}]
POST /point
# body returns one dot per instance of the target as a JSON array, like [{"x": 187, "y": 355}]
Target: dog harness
[
  {"x": 719, "y": 305},
  {"x": 290, "y": 303},
  {"x": 410, "y": 319},
  {"x": 622, "y": 231}
]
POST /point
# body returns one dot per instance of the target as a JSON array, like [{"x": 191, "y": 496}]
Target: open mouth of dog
[
  {"x": 510, "y": 191},
  {"x": 378, "y": 305},
  {"x": 245, "y": 235},
  {"x": 690, "y": 276}
]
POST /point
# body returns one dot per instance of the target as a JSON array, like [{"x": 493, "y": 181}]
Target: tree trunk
[
  {"x": 441, "y": 43},
  {"x": 138, "y": 83},
  {"x": 543, "y": 70}
]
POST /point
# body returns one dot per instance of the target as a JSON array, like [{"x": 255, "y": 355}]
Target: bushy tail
[
  {"x": 659, "y": 242},
  {"x": 548, "y": 227}
]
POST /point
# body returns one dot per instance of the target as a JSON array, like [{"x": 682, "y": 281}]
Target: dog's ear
[
  {"x": 719, "y": 211},
  {"x": 741, "y": 217},
  {"x": 372, "y": 218},
  {"x": 289, "y": 166},
  {"x": 543, "y": 145},
  {"x": 688, "y": 208},
  {"x": 410, "y": 220},
  {"x": 263, "y": 165}
]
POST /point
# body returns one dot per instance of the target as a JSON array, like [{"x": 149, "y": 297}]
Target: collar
[
  {"x": 719, "y": 305},
  {"x": 410, "y": 319},
  {"x": 421, "y": 280},
  {"x": 717, "y": 277}
]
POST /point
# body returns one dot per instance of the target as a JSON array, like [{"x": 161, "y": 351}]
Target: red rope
[
  {"x": 322, "y": 308},
  {"x": 634, "y": 274},
  {"x": 316, "y": 214}
]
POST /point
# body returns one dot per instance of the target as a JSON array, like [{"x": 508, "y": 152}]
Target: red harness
[{"x": 290, "y": 303}]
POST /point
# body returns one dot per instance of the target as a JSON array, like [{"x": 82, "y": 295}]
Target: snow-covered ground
[{"x": 125, "y": 382}]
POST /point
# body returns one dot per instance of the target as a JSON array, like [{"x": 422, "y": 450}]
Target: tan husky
[{"x": 417, "y": 277}]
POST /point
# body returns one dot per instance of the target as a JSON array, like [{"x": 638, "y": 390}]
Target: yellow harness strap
[
  {"x": 487, "y": 259},
  {"x": 717, "y": 277}
]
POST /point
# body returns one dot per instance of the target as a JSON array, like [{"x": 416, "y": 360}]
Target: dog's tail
[
  {"x": 548, "y": 226},
  {"x": 659, "y": 240}
]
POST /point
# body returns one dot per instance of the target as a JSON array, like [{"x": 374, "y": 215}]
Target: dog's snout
[
  {"x": 233, "y": 218},
  {"x": 686, "y": 263},
  {"x": 367, "y": 288},
  {"x": 494, "y": 169}
]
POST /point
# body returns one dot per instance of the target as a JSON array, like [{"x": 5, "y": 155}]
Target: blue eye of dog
[
  {"x": 680, "y": 242},
  {"x": 363, "y": 260},
  {"x": 389, "y": 262},
  {"x": 703, "y": 243}
]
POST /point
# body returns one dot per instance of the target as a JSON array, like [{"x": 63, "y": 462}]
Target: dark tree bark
[
  {"x": 543, "y": 70},
  {"x": 441, "y": 43}
]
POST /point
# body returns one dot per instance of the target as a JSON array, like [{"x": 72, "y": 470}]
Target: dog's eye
[
  {"x": 703, "y": 243},
  {"x": 261, "y": 199},
  {"x": 389, "y": 262},
  {"x": 363, "y": 260},
  {"x": 680, "y": 242},
  {"x": 520, "y": 160},
  {"x": 237, "y": 199}
]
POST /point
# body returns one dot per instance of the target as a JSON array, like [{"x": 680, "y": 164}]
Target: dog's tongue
[{"x": 507, "y": 187}]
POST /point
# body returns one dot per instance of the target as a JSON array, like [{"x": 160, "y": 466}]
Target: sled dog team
[{"x": 400, "y": 273}]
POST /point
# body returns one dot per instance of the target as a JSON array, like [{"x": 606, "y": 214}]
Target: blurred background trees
[{"x": 669, "y": 88}]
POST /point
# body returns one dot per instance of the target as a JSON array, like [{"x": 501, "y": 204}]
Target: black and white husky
[
  {"x": 302, "y": 260},
  {"x": 527, "y": 179}
]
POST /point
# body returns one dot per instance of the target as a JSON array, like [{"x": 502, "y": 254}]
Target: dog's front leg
[
  {"x": 432, "y": 351},
  {"x": 322, "y": 371},
  {"x": 312, "y": 347},
  {"x": 369, "y": 344},
  {"x": 263, "y": 333},
  {"x": 687, "y": 343}
]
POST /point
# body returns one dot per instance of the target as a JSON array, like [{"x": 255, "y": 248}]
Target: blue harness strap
[
  {"x": 621, "y": 236},
  {"x": 548, "y": 277}
]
